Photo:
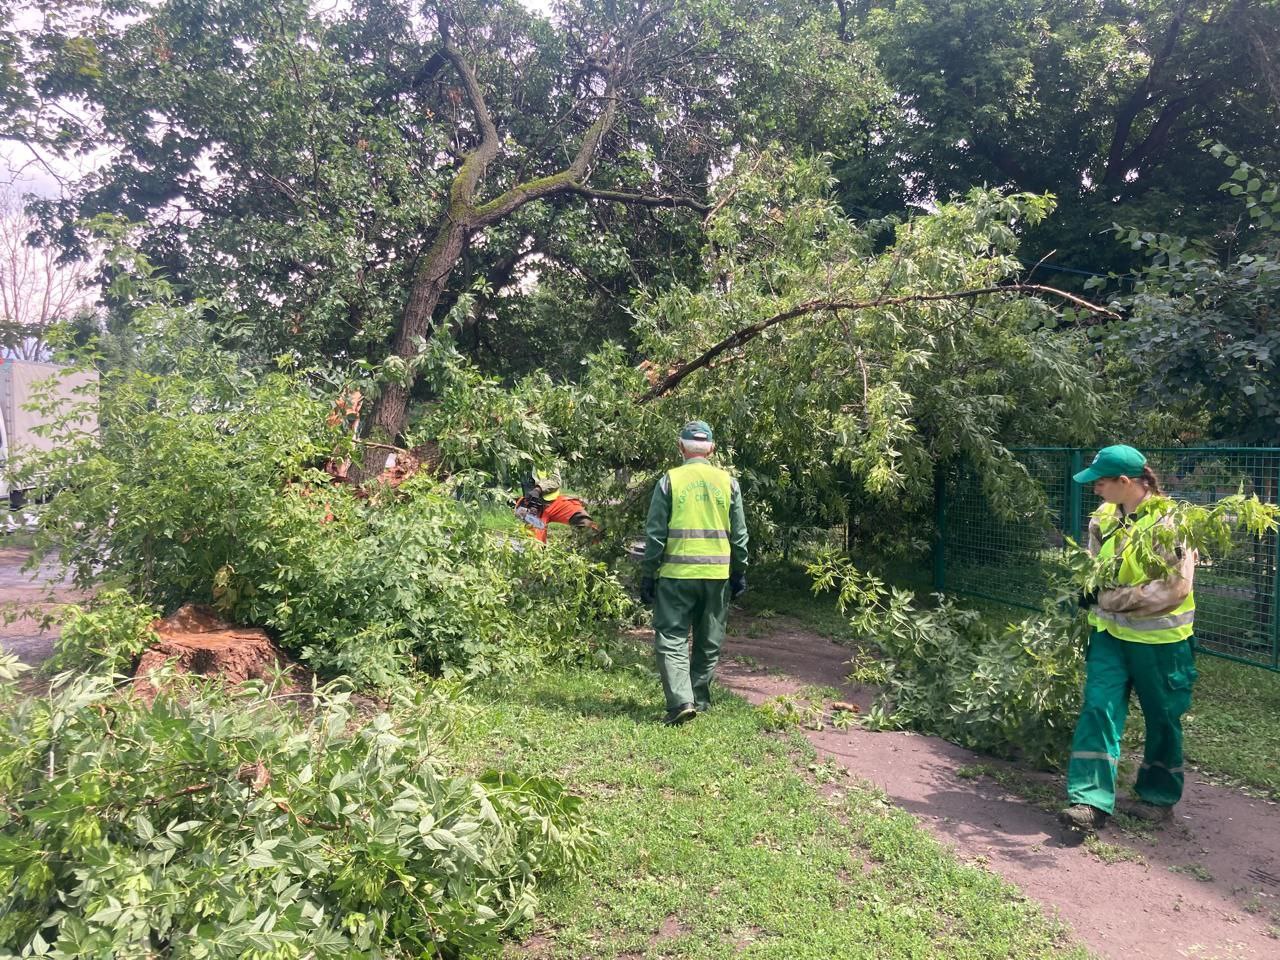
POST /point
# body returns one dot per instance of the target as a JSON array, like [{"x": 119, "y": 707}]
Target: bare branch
[
  {"x": 639, "y": 199},
  {"x": 749, "y": 333},
  {"x": 36, "y": 290}
]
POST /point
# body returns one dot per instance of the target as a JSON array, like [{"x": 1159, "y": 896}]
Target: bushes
[
  {"x": 204, "y": 485},
  {"x": 418, "y": 582},
  {"x": 1012, "y": 690},
  {"x": 228, "y": 825},
  {"x": 106, "y": 636}
]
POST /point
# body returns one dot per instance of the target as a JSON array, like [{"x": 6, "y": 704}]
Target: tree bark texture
[{"x": 465, "y": 217}]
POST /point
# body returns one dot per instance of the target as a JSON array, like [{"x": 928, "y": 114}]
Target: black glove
[
  {"x": 1087, "y": 599},
  {"x": 648, "y": 590},
  {"x": 737, "y": 585}
]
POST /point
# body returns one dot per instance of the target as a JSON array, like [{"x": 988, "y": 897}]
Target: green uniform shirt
[{"x": 658, "y": 521}]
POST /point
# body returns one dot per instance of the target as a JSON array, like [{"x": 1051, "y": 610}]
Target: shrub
[
  {"x": 204, "y": 484},
  {"x": 1011, "y": 690},
  {"x": 108, "y": 635},
  {"x": 222, "y": 824}
]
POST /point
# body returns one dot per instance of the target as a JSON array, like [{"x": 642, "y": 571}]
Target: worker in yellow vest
[
  {"x": 695, "y": 561},
  {"x": 1141, "y": 641}
]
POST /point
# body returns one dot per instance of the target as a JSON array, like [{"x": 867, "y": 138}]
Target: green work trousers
[
  {"x": 679, "y": 605},
  {"x": 1162, "y": 675}
]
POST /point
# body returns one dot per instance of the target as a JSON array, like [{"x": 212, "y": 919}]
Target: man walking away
[{"x": 695, "y": 561}]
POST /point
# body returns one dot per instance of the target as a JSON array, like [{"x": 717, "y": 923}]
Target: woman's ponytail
[{"x": 1151, "y": 481}]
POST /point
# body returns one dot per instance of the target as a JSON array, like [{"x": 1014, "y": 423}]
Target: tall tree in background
[
  {"x": 1103, "y": 103},
  {"x": 347, "y": 184}
]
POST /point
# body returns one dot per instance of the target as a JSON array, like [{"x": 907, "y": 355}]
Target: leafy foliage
[
  {"x": 1087, "y": 100},
  {"x": 204, "y": 483},
  {"x": 337, "y": 140},
  {"x": 1208, "y": 529},
  {"x": 1202, "y": 328},
  {"x": 220, "y": 825},
  {"x": 1011, "y": 690},
  {"x": 106, "y": 636},
  {"x": 871, "y": 398}
]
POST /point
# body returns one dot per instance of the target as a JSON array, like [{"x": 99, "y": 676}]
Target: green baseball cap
[
  {"x": 1119, "y": 460},
  {"x": 697, "y": 430}
]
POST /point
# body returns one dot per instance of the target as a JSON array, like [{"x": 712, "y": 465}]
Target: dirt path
[{"x": 1207, "y": 886}]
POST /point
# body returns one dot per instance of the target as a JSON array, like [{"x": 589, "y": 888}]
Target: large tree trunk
[
  {"x": 465, "y": 218},
  {"x": 389, "y": 414}
]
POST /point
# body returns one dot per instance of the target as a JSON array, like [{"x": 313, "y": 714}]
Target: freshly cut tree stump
[{"x": 197, "y": 641}]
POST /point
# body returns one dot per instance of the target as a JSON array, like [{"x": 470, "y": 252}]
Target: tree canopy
[{"x": 648, "y": 182}]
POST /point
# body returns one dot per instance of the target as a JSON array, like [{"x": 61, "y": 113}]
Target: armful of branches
[{"x": 1167, "y": 551}]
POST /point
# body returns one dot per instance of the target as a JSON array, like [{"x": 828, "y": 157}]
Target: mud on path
[{"x": 1207, "y": 886}]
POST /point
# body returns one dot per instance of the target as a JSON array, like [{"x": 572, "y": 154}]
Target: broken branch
[{"x": 749, "y": 333}]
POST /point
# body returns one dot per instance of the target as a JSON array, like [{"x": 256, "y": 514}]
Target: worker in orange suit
[{"x": 543, "y": 503}]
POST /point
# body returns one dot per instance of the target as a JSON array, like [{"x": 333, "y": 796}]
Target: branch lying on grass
[{"x": 749, "y": 333}]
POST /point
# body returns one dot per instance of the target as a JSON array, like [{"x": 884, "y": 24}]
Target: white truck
[{"x": 20, "y": 382}]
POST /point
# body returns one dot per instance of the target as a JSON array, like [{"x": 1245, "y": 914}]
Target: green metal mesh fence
[{"x": 983, "y": 554}]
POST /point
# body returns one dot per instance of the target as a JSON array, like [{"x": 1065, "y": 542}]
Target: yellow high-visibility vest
[
  {"x": 698, "y": 531},
  {"x": 1177, "y": 624}
]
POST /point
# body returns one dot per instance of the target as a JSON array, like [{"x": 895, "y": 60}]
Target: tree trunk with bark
[{"x": 466, "y": 217}]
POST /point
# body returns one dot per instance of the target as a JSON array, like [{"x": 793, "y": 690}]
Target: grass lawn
[
  {"x": 1232, "y": 730},
  {"x": 713, "y": 843}
]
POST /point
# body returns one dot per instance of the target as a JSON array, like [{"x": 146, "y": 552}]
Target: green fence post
[
  {"x": 1275, "y": 606},
  {"x": 1075, "y": 496},
  {"x": 939, "y": 528}
]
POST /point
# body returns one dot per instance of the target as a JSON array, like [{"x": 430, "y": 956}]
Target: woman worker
[{"x": 1141, "y": 641}]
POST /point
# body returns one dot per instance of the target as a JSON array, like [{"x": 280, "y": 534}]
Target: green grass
[
  {"x": 1233, "y": 729},
  {"x": 21, "y": 538},
  {"x": 1195, "y": 871},
  {"x": 778, "y": 587},
  {"x": 1112, "y": 852},
  {"x": 715, "y": 844}
]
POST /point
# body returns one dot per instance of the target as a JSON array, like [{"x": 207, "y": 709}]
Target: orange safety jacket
[{"x": 562, "y": 509}]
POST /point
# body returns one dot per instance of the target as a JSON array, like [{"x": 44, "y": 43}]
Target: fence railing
[{"x": 980, "y": 553}]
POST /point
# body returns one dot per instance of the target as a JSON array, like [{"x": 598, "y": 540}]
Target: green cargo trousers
[
  {"x": 677, "y": 606},
  {"x": 1162, "y": 675}
]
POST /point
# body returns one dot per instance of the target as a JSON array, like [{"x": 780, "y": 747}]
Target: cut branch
[{"x": 749, "y": 333}]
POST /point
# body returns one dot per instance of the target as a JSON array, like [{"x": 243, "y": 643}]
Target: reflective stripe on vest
[
  {"x": 1177, "y": 624},
  {"x": 698, "y": 531}
]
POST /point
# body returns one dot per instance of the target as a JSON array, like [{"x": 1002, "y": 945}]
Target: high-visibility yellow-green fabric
[
  {"x": 698, "y": 531},
  {"x": 1171, "y": 627}
]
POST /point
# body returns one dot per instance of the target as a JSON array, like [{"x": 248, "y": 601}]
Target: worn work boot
[
  {"x": 1146, "y": 812},
  {"x": 681, "y": 714},
  {"x": 1082, "y": 818}
]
